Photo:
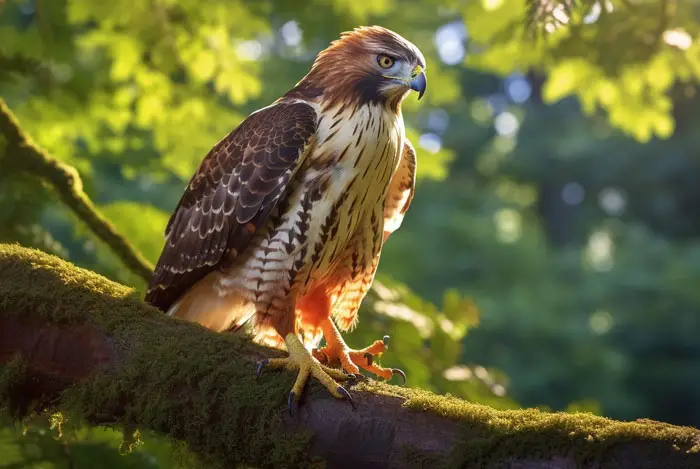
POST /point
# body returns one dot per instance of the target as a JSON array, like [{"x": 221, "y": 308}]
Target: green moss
[
  {"x": 163, "y": 359},
  {"x": 491, "y": 437}
]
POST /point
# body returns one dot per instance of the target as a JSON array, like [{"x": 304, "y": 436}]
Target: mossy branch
[
  {"x": 23, "y": 154},
  {"x": 75, "y": 341}
]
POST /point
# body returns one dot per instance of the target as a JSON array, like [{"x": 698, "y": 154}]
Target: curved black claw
[
  {"x": 261, "y": 365},
  {"x": 290, "y": 402},
  {"x": 385, "y": 339},
  {"x": 370, "y": 358},
  {"x": 396, "y": 371},
  {"x": 345, "y": 393}
]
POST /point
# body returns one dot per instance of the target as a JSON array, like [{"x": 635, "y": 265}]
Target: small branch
[
  {"x": 72, "y": 340},
  {"x": 21, "y": 153}
]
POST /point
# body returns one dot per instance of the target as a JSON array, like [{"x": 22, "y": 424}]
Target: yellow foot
[
  {"x": 336, "y": 352},
  {"x": 300, "y": 359}
]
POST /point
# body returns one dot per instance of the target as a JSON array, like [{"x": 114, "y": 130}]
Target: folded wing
[{"x": 231, "y": 195}]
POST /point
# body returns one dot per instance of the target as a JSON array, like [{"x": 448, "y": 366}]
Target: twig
[{"x": 22, "y": 154}]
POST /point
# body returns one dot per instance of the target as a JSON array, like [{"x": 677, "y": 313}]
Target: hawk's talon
[
  {"x": 336, "y": 350},
  {"x": 290, "y": 402},
  {"x": 396, "y": 371},
  {"x": 306, "y": 366},
  {"x": 336, "y": 373},
  {"x": 261, "y": 365},
  {"x": 347, "y": 396}
]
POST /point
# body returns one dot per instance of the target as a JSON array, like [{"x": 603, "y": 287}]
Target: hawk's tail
[
  {"x": 227, "y": 310},
  {"x": 207, "y": 304}
]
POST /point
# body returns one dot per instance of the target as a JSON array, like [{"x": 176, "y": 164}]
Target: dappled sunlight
[
  {"x": 450, "y": 40},
  {"x": 506, "y": 124},
  {"x": 600, "y": 251},
  {"x": 424, "y": 326},
  {"x": 600, "y": 322},
  {"x": 508, "y": 225},
  {"x": 291, "y": 33},
  {"x": 613, "y": 201},
  {"x": 430, "y": 142},
  {"x": 458, "y": 373},
  {"x": 250, "y": 50},
  {"x": 490, "y": 5},
  {"x": 462, "y": 373},
  {"x": 549, "y": 250},
  {"x": 678, "y": 38}
]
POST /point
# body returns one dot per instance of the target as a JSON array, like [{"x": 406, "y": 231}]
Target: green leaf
[{"x": 564, "y": 79}]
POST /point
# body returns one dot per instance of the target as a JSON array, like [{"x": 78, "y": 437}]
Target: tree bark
[{"x": 74, "y": 341}]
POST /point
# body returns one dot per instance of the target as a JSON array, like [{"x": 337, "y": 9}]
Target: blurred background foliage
[{"x": 552, "y": 253}]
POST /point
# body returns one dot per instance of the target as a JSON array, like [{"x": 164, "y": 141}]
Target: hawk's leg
[
  {"x": 301, "y": 360},
  {"x": 337, "y": 351}
]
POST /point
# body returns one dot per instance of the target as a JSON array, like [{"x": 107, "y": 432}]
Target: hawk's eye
[{"x": 385, "y": 61}]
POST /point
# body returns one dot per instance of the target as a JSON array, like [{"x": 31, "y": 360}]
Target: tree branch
[
  {"x": 72, "y": 340},
  {"x": 23, "y": 154}
]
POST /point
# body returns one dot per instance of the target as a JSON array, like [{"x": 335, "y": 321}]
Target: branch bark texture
[
  {"x": 23, "y": 154},
  {"x": 72, "y": 340}
]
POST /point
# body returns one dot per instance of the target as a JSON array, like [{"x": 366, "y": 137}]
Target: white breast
[
  {"x": 354, "y": 169},
  {"x": 362, "y": 153},
  {"x": 363, "y": 144}
]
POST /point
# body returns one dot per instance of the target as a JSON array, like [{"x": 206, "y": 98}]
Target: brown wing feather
[
  {"x": 230, "y": 196},
  {"x": 401, "y": 190}
]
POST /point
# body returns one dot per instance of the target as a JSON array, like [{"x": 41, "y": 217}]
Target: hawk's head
[{"x": 369, "y": 64}]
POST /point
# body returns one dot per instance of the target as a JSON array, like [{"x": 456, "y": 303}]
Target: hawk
[{"x": 282, "y": 225}]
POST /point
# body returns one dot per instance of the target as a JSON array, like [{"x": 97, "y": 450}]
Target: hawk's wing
[
  {"x": 348, "y": 294},
  {"x": 231, "y": 195},
  {"x": 401, "y": 190}
]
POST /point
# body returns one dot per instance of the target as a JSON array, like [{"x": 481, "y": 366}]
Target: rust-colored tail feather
[{"x": 211, "y": 307}]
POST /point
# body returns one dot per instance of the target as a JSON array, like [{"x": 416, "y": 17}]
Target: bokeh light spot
[
  {"x": 449, "y": 40},
  {"x": 506, "y": 124},
  {"x": 430, "y": 142},
  {"x": 600, "y": 322},
  {"x": 291, "y": 33},
  {"x": 573, "y": 193}
]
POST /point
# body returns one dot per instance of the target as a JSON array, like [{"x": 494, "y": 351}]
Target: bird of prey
[{"x": 282, "y": 225}]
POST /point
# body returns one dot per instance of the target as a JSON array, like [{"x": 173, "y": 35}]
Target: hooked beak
[{"x": 419, "y": 82}]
